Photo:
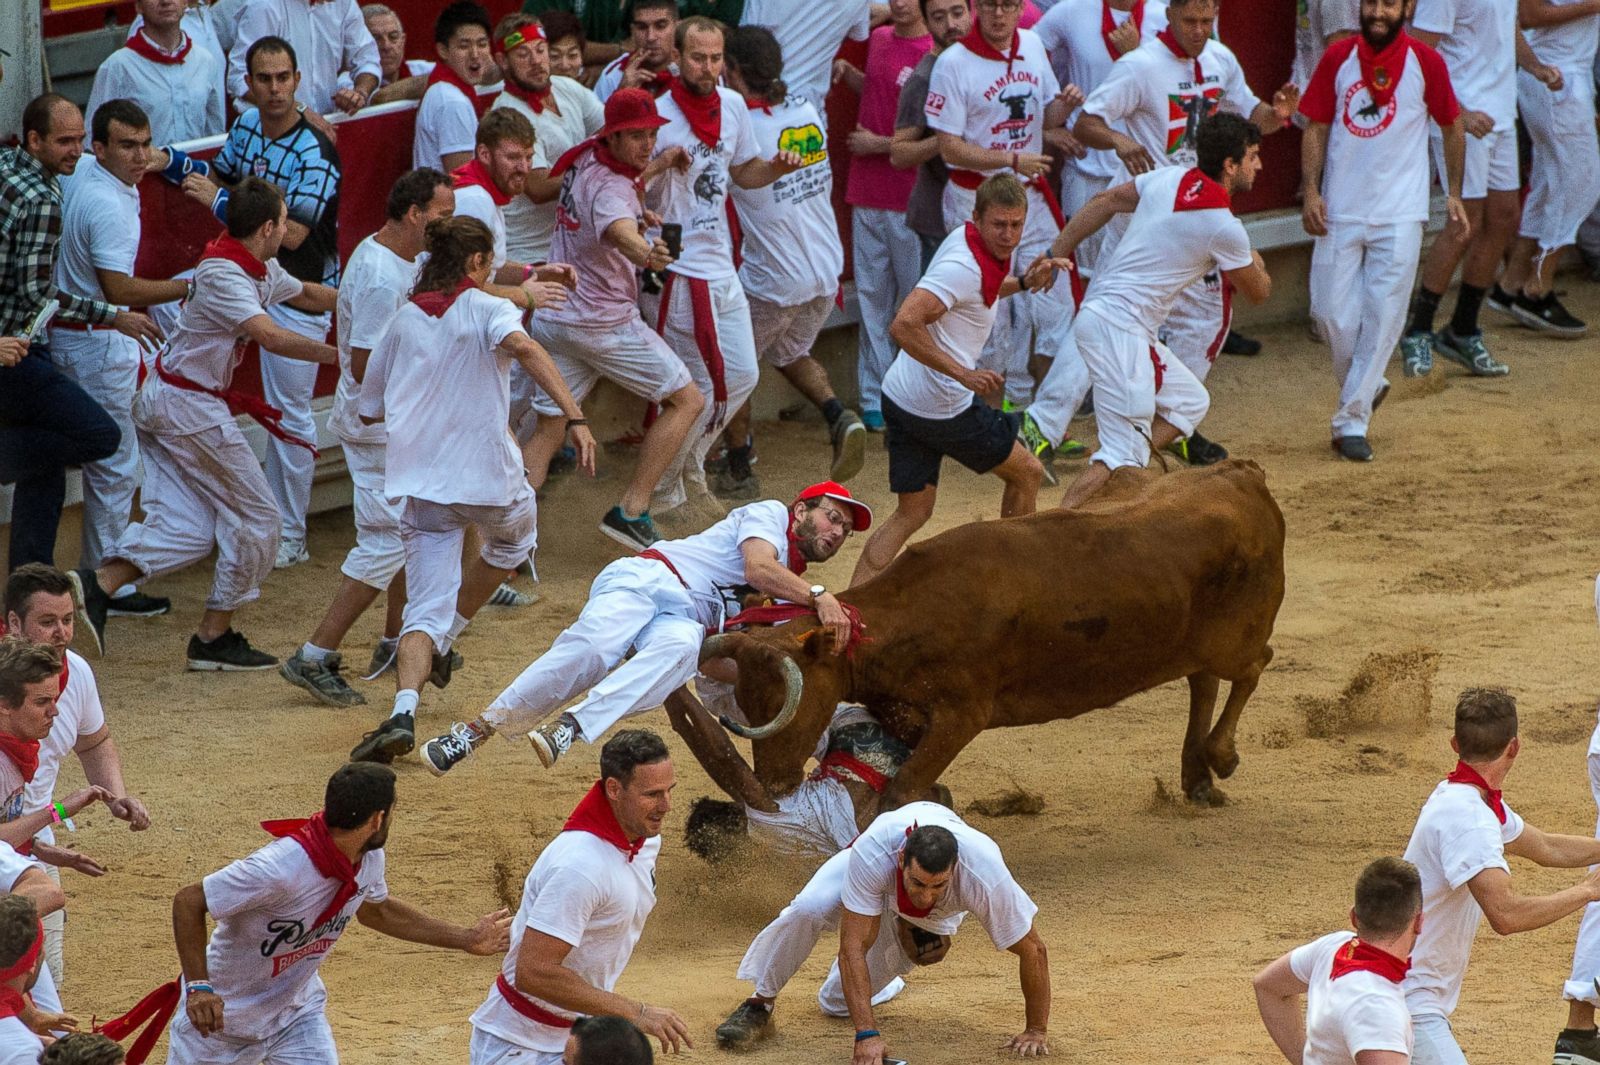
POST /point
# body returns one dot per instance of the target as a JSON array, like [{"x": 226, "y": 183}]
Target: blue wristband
[
  {"x": 219, "y": 206},
  {"x": 868, "y": 1033}
]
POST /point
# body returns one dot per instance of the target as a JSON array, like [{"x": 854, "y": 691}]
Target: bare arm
[
  {"x": 205, "y": 1008},
  {"x": 537, "y": 362},
  {"x": 963, "y": 155},
  {"x": 46, "y": 894},
  {"x": 768, "y": 576},
  {"x": 401, "y": 920},
  {"x": 717, "y": 755},
  {"x": 856, "y": 933},
  {"x": 20, "y": 830},
  {"x": 1509, "y": 912},
  {"x": 451, "y": 160},
  {"x": 1382, "y": 1057},
  {"x": 759, "y": 173},
  {"x": 294, "y": 234},
  {"x": 1313, "y": 156},
  {"x": 541, "y": 974},
  {"x": 317, "y": 299},
  {"x": 540, "y": 187},
  {"x": 291, "y": 345},
  {"x": 138, "y": 291},
  {"x": 1033, "y": 969},
  {"x": 910, "y": 330},
  {"x": 1102, "y": 206},
  {"x": 411, "y": 88},
  {"x": 624, "y": 235},
  {"x": 1531, "y": 13},
  {"x": 1252, "y": 282},
  {"x": 1427, "y": 37},
  {"x": 1278, "y": 992},
  {"x": 1094, "y": 132},
  {"x": 102, "y": 766},
  {"x": 911, "y": 146},
  {"x": 1555, "y": 851}
]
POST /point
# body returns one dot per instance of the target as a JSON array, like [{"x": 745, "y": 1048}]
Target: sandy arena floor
[{"x": 1464, "y": 555}]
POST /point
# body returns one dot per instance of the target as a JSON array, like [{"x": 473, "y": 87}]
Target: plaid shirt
[{"x": 30, "y": 230}]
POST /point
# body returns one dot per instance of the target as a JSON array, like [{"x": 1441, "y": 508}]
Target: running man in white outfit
[
  {"x": 1181, "y": 228},
  {"x": 897, "y": 896},
  {"x": 440, "y": 378},
  {"x": 584, "y": 906},
  {"x": 1459, "y": 845},
  {"x": 1579, "y": 1042},
  {"x": 203, "y": 486},
  {"x": 660, "y": 605},
  {"x": 1364, "y": 195},
  {"x": 1355, "y": 1010},
  {"x": 377, "y": 280}
]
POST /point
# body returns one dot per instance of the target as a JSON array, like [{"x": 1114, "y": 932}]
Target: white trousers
[
  {"x": 1433, "y": 1041},
  {"x": 888, "y": 265},
  {"x": 434, "y": 534},
  {"x": 1580, "y": 985},
  {"x": 489, "y": 1049},
  {"x": 1361, "y": 277},
  {"x": 1027, "y": 322},
  {"x": 1061, "y": 393},
  {"x": 779, "y": 949},
  {"x": 730, "y": 317},
  {"x": 55, "y": 933},
  {"x": 1127, "y": 396},
  {"x": 1563, "y": 177},
  {"x": 1077, "y": 189},
  {"x": 1198, "y": 324},
  {"x": 202, "y": 489},
  {"x": 634, "y": 604},
  {"x": 287, "y": 384},
  {"x": 105, "y": 364},
  {"x": 307, "y": 1040},
  {"x": 378, "y": 553},
  {"x": 1491, "y": 163}
]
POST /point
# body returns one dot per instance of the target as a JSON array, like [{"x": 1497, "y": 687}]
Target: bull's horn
[
  {"x": 794, "y": 685},
  {"x": 721, "y": 645}
]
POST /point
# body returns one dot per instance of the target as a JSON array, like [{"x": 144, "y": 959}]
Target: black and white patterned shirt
[
  {"x": 304, "y": 164},
  {"x": 30, "y": 232}
]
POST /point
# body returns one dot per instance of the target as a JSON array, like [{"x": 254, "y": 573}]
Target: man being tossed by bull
[{"x": 896, "y": 895}]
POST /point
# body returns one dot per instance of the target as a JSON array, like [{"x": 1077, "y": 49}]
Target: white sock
[
  {"x": 312, "y": 653},
  {"x": 457, "y": 627},
  {"x": 405, "y": 702},
  {"x": 126, "y": 589}
]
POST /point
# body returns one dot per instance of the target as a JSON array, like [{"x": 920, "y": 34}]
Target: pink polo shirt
[{"x": 890, "y": 60}]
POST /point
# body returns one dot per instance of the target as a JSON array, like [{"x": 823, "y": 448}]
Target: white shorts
[
  {"x": 1563, "y": 178},
  {"x": 629, "y": 353},
  {"x": 433, "y": 534},
  {"x": 1433, "y": 1041},
  {"x": 306, "y": 1040},
  {"x": 1491, "y": 163},
  {"x": 487, "y": 1049},
  {"x": 1123, "y": 364},
  {"x": 785, "y": 333},
  {"x": 378, "y": 554}
]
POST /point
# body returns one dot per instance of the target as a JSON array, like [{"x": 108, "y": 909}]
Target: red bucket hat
[
  {"x": 630, "y": 109},
  {"x": 859, "y": 511}
]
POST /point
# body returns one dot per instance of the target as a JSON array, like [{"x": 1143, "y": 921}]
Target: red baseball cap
[
  {"x": 859, "y": 511},
  {"x": 630, "y": 109}
]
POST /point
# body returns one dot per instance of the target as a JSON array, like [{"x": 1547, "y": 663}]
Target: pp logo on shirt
[
  {"x": 1362, "y": 116},
  {"x": 935, "y": 104}
]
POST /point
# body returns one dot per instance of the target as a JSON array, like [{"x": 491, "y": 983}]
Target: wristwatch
[{"x": 817, "y": 592}]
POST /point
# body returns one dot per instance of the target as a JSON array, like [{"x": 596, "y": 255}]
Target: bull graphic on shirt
[
  {"x": 1363, "y": 116},
  {"x": 1184, "y": 112},
  {"x": 1017, "y": 121},
  {"x": 708, "y": 186}
]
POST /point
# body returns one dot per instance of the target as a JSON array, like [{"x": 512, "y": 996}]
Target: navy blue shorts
[{"x": 980, "y": 438}]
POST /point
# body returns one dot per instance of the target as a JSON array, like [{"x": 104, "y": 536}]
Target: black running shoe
[
  {"x": 442, "y": 753},
  {"x": 395, "y": 737},
  {"x": 1500, "y": 301},
  {"x": 1236, "y": 343},
  {"x": 138, "y": 605},
  {"x": 228, "y": 653},
  {"x": 91, "y": 604},
  {"x": 1547, "y": 315},
  {"x": 443, "y": 666},
  {"x": 746, "y": 1026},
  {"x": 633, "y": 533},
  {"x": 1203, "y": 452},
  {"x": 1354, "y": 448},
  {"x": 1577, "y": 1046}
]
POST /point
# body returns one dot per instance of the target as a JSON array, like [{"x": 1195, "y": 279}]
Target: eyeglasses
[{"x": 834, "y": 516}]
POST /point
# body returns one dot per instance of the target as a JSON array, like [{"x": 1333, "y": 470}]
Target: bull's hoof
[
  {"x": 1206, "y": 794},
  {"x": 1223, "y": 764}
]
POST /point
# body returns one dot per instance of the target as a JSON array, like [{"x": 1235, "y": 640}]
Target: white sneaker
[{"x": 291, "y": 553}]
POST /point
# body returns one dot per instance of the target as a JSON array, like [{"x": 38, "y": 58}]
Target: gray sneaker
[
  {"x": 383, "y": 659},
  {"x": 849, "y": 439},
  {"x": 552, "y": 741},
  {"x": 321, "y": 679},
  {"x": 1416, "y": 354},
  {"x": 1469, "y": 351}
]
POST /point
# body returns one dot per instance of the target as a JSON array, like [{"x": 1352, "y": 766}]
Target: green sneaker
[
  {"x": 1416, "y": 354},
  {"x": 1471, "y": 352},
  {"x": 1072, "y": 449},
  {"x": 1030, "y": 437}
]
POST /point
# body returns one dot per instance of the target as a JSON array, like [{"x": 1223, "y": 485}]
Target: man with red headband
[
  {"x": 21, "y": 961},
  {"x": 660, "y": 604},
  {"x": 251, "y": 992},
  {"x": 1459, "y": 844},
  {"x": 447, "y": 118},
  {"x": 584, "y": 906},
  {"x": 1355, "y": 1010}
]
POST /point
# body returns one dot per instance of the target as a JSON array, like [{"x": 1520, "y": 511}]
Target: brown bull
[{"x": 1035, "y": 619}]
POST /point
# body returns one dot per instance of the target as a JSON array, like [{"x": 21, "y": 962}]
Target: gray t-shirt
[{"x": 924, "y": 211}]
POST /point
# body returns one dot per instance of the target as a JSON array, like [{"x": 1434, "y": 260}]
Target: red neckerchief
[
  {"x": 226, "y": 247},
  {"x": 980, "y": 47},
  {"x": 797, "y": 561},
  {"x": 24, "y": 754},
  {"x": 442, "y": 72},
  {"x": 993, "y": 270},
  {"x": 755, "y": 103},
  {"x": 1380, "y": 71},
  {"x": 704, "y": 113},
  {"x": 1358, "y": 957},
  {"x": 538, "y": 101},
  {"x": 156, "y": 1008},
  {"x": 12, "y": 1002},
  {"x": 474, "y": 173},
  {"x": 902, "y": 901},
  {"x": 1465, "y": 774},
  {"x": 313, "y": 836},
  {"x": 1108, "y": 24},
  {"x": 602, "y": 155},
  {"x": 594, "y": 815},
  {"x": 777, "y": 613},
  {"x": 660, "y": 80},
  {"x": 435, "y": 303},
  {"x": 1198, "y": 192},
  {"x": 143, "y": 46},
  {"x": 1166, "y": 38}
]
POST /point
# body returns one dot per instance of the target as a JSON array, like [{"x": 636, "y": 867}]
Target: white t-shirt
[
  {"x": 1071, "y": 33},
  {"x": 991, "y": 103},
  {"x": 1569, "y": 46},
  {"x": 207, "y": 344},
  {"x": 530, "y": 226},
  {"x": 981, "y": 885},
  {"x": 792, "y": 252},
  {"x": 78, "y": 714},
  {"x": 954, "y": 277},
  {"x": 1164, "y": 251},
  {"x": 265, "y": 952},
  {"x": 1376, "y": 166},
  {"x": 586, "y": 893},
  {"x": 1456, "y": 838},
  {"x": 329, "y": 38},
  {"x": 811, "y": 39},
  {"x": 696, "y": 199},
  {"x": 183, "y": 100},
  {"x": 443, "y": 385},
  {"x": 375, "y": 283},
  {"x": 446, "y": 123},
  {"x": 711, "y": 563},
  {"x": 1154, "y": 95},
  {"x": 593, "y": 198},
  {"x": 13, "y": 867},
  {"x": 1479, "y": 45},
  {"x": 99, "y": 229},
  {"x": 818, "y": 817},
  {"x": 1359, "y": 1011},
  {"x": 18, "y": 1044},
  {"x": 474, "y": 201}
]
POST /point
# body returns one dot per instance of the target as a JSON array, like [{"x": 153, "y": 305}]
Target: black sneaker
[
  {"x": 552, "y": 741},
  {"x": 321, "y": 679},
  {"x": 228, "y": 653},
  {"x": 443, "y": 666},
  {"x": 395, "y": 737},
  {"x": 849, "y": 439},
  {"x": 746, "y": 1026},
  {"x": 1239, "y": 344},
  {"x": 1203, "y": 452},
  {"x": 442, "y": 753},
  {"x": 730, "y": 485},
  {"x": 1577, "y": 1046},
  {"x": 1354, "y": 448},
  {"x": 634, "y": 533},
  {"x": 1500, "y": 301},
  {"x": 1547, "y": 315},
  {"x": 138, "y": 605},
  {"x": 91, "y": 605}
]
